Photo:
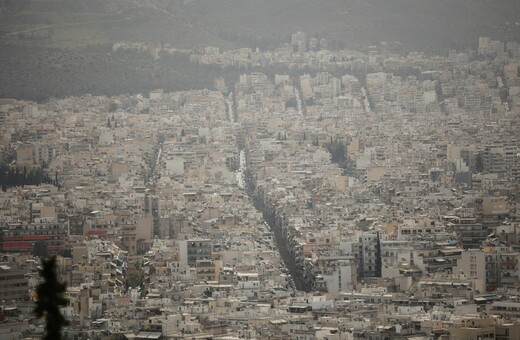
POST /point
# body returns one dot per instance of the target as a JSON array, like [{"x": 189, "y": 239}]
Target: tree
[
  {"x": 378, "y": 257},
  {"x": 40, "y": 249},
  {"x": 50, "y": 295},
  {"x": 337, "y": 152},
  {"x": 479, "y": 163},
  {"x": 15, "y": 176}
]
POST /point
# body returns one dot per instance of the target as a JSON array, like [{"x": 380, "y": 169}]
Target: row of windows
[
  {"x": 36, "y": 227},
  {"x": 11, "y": 277},
  {"x": 504, "y": 308},
  {"x": 194, "y": 244},
  {"x": 199, "y": 251},
  {"x": 13, "y": 244},
  {"x": 56, "y": 244},
  {"x": 33, "y": 233},
  {"x": 314, "y": 240},
  {"x": 419, "y": 231},
  {"x": 14, "y": 285},
  {"x": 13, "y": 294}
]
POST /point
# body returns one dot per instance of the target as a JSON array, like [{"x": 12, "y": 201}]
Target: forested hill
[
  {"x": 57, "y": 48},
  {"x": 420, "y": 24}
]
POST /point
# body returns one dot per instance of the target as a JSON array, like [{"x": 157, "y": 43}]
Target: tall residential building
[
  {"x": 472, "y": 264},
  {"x": 370, "y": 265},
  {"x": 13, "y": 283},
  {"x": 489, "y": 268},
  {"x": 190, "y": 251},
  {"x": 490, "y": 48},
  {"x": 469, "y": 232},
  {"x": 21, "y": 237},
  {"x": 299, "y": 40}
]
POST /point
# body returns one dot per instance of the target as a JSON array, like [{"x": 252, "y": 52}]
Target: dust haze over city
[{"x": 239, "y": 169}]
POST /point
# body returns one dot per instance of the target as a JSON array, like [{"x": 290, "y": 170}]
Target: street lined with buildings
[{"x": 367, "y": 195}]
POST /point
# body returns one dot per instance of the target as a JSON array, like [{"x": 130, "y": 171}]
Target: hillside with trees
[{"x": 59, "y": 48}]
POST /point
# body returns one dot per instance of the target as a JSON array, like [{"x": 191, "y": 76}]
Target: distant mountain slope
[
  {"x": 418, "y": 23},
  {"x": 79, "y": 23},
  {"x": 63, "y": 47}
]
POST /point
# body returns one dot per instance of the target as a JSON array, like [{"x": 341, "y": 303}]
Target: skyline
[{"x": 199, "y": 177}]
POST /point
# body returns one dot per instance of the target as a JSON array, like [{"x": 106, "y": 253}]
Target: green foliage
[
  {"x": 337, "y": 152},
  {"x": 40, "y": 249},
  {"x": 100, "y": 71},
  {"x": 17, "y": 176},
  {"x": 50, "y": 295},
  {"x": 134, "y": 278},
  {"x": 479, "y": 163},
  {"x": 291, "y": 103},
  {"x": 66, "y": 252}
]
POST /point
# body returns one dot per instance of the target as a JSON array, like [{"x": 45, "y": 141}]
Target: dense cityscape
[{"x": 325, "y": 194}]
